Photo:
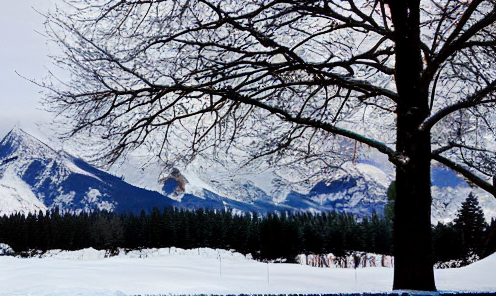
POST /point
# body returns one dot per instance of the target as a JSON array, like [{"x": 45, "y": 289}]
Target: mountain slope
[
  {"x": 16, "y": 196},
  {"x": 35, "y": 177},
  {"x": 47, "y": 179}
]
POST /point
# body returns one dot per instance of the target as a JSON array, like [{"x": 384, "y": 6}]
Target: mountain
[
  {"x": 358, "y": 188},
  {"x": 35, "y": 177}
]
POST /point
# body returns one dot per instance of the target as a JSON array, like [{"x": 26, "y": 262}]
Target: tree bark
[
  {"x": 413, "y": 268},
  {"x": 412, "y": 228}
]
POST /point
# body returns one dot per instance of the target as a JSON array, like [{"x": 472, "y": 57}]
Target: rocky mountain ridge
[{"x": 35, "y": 177}]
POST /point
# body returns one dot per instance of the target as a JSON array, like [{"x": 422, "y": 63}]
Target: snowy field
[{"x": 201, "y": 271}]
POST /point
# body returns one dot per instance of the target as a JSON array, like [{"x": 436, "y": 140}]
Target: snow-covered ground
[{"x": 200, "y": 271}]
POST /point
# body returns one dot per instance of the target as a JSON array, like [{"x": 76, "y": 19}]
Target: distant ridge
[
  {"x": 34, "y": 177},
  {"x": 61, "y": 180}
]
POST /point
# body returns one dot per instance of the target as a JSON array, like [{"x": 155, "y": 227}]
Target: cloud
[{"x": 25, "y": 51}]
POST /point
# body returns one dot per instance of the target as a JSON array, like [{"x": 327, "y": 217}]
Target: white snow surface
[
  {"x": 172, "y": 271},
  {"x": 372, "y": 173},
  {"x": 28, "y": 149},
  {"x": 16, "y": 196}
]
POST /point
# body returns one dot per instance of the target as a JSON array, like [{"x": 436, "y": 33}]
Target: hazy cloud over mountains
[{"x": 23, "y": 51}]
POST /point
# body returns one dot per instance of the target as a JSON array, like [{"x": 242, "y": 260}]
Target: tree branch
[
  {"x": 472, "y": 101},
  {"x": 454, "y": 44},
  {"x": 466, "y": 173},
  {"x": 393, "y": 156}
]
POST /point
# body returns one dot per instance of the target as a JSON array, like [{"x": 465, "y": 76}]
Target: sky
[{"x": 24, "y": 51}]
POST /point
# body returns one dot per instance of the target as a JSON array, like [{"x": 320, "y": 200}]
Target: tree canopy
[{"x": 294, "y": 83}]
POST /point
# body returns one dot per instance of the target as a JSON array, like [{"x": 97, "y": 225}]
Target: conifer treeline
[
  {"x": 451, "y": 243},
  {"x": 265, "y": 237},
  {"x": 468, "y": 238}
]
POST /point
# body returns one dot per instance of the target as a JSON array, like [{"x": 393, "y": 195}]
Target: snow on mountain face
[
  {"x": 358, "y": 188},
  {"x": 25, "y": 154},
  {"x": 35, "y": 177},
  {"x": 41, "y": 172},
  {"x": 16, "y": 195}
]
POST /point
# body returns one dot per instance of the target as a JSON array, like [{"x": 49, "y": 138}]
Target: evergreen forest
[{"x": 266, "y": 237}]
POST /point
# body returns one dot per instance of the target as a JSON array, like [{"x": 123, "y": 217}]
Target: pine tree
[
  {"x": 447, "y": 243},
  {"x": 470, "y": 221},
  {"x": 490, "y": 240}
]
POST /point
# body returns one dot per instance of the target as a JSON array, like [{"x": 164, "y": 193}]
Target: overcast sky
[{"x": 23, "y": 50}]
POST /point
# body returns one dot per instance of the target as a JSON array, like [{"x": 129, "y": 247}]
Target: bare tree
[{"x": 292, "y": 82}]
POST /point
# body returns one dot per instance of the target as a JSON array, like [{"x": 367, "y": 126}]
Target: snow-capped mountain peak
[
  {"x": 24, "y": 153},
  {"x": 34, "y": 177},
  {"x": 18, "y": 143}
]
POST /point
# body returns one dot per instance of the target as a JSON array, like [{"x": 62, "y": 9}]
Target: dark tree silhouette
[
  {"x": 448, "y": 243},
  {"x": 471, "y": 223},
  {"x": 295, "y": 83},
  {"x": 490, "y": 242}
]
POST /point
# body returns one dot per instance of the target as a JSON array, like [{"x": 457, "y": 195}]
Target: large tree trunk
[
  {"x": 413, "y": 265},
  {"x": 412, "y": 228}
]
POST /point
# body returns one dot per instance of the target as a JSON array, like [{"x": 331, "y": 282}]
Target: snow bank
[
  {"x": 6, "y": 249},
  {"x": 327, "y": 260},
  {"x": 199, "y": 252},
  {"x": 205, "y": 271},
  {"x": 89, "y": 254},
  {"x": 360, "y": 260}
]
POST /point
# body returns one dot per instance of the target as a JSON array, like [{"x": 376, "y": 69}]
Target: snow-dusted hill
[{"x": 35, "y": 177}]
